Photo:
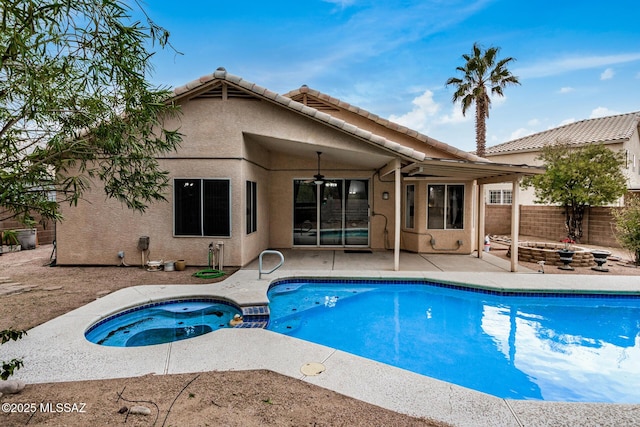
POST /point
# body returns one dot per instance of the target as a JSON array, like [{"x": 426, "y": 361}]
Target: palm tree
[{"x": 481, "y": 72}]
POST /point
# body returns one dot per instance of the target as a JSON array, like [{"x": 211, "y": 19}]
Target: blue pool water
[
  {"x": 583, "y": 348},
  {"x": 162, "y": 322}
]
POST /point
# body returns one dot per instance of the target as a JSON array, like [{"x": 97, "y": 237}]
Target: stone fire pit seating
[{"x": 548, "y": 252}]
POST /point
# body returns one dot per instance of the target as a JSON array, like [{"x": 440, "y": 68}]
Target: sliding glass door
[
  {"x": 356, "y": 212},
  {"x": 335, "y": 213}
]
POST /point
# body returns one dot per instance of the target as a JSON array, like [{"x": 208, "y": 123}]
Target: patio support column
[
  {"x": 481, "y": 224},
  {"x": 396, "y": 240},
  {"x": 515, "y": 223}
]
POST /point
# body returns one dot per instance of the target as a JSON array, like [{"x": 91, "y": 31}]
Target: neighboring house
[
  {"x": 248, "y": 176},
  {"x": 620, "y": 132}
]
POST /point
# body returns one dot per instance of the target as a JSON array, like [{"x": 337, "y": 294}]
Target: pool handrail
[{"x": 260, "y": 272}]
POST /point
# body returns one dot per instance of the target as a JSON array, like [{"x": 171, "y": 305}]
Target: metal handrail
[{"x": 260, "y": 272}]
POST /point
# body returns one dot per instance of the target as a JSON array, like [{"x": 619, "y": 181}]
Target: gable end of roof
[{"x": 220, "y": 84}]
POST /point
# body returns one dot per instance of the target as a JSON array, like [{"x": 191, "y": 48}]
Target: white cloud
[
  {"x": 426, "y": 113},
  {"x": 424, "y": 108},
  {"x": 548, "y": 67},
  {"x": 456, "y": 116},
  {"x": 533, "y": 122},
  {"x": 564, "y": 122},
  {"x": 519, "y": 133},
  {"x": 602, "y": 112},
  {"x": 341, "y": 3},
  {"x": 566, "y": 89},
  {"x": 607, "y": 74},
  {"x": 497, "y": 101}
]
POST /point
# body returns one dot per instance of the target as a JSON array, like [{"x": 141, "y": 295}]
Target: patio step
[{"x": 254, "y": 316}]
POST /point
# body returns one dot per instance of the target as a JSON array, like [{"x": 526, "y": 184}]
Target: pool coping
[{"x": 354, "y": 376}]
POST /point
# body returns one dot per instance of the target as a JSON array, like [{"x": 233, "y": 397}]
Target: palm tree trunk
[{"x": 481, "y": 128}]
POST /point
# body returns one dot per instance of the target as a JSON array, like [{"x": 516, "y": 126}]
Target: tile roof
[
  {"x": 322, "y": 116},
  {"x": 601, "y": 130},
  {"x": 296, "y": 94}
]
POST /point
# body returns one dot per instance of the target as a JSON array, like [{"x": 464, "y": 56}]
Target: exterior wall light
[{"x": 385, "y": 195}]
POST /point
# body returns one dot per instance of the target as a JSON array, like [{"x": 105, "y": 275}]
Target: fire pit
[{"x": 548, "y": 252}]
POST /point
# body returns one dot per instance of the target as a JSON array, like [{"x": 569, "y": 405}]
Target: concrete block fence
[{"x": 548, "y": 221}]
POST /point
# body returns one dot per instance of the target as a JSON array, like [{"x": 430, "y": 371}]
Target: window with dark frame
[
  {"x": 202, "y": 207},
  {"x": 252, "y": 207},
  {"x": 445, "y": 209}
]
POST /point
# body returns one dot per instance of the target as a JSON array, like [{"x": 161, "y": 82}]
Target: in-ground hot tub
[
  {"x": 548, "y": 252},
  {"x": 163, "y": 322}
]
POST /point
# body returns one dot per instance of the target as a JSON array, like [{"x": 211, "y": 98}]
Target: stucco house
[
  {"x": 619, "y": 132},
  {"x": 259, "y": 170}
]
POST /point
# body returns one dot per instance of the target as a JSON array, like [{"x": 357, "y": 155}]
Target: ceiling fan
[{"x": 318, "y": 178}]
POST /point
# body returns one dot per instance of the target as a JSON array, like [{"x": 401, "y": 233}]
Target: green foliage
[
  {"x": 482, "y": 74},
  {"x": 627, "y": 222},
  {"x": 8, "y": 368},
  {"x": 75, "y": 105},
  {"x": 10, "y": 237},
  {"x": 578, "y": 177}
]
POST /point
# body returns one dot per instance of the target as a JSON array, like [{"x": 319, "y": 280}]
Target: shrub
[
  {"x": 8, "y": 367},
  {"x": 627, "y": 222}
]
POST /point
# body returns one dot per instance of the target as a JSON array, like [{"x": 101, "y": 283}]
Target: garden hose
[{"x": 208, "y": 274}]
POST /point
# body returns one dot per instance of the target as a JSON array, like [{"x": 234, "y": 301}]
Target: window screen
[{"x": 202, "y": 207}]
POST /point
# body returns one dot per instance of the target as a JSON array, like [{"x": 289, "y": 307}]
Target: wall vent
[
  {"x": 224, "y": 90},
  {"x": 314, "y": 103}
]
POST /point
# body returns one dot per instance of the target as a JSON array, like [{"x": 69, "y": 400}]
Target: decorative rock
[
  {"x": 11, "y": 386},
  {"x": 140, "y": 410}
]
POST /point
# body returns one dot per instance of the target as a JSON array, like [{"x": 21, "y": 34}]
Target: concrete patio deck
[
  {"x": 61, "y": 342},
  {"x": 356, "y": 260}
]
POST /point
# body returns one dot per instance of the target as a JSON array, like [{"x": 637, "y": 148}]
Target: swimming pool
[
  {"x": 162, "y": 322},
  {"x": 554, "y": 347}
]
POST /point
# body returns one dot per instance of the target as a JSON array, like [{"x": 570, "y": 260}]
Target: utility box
[{"x": 143, "y": 243}]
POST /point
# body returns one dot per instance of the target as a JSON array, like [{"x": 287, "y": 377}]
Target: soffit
[
  {"x": 359, "y": 159},
  {"x": 460, "y": 169}
]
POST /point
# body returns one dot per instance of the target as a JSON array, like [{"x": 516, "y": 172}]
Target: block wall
[{"x": 548, "y": 222}]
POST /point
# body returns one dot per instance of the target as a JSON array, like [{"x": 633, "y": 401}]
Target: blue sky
[{"x": 575, "y": 60}]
